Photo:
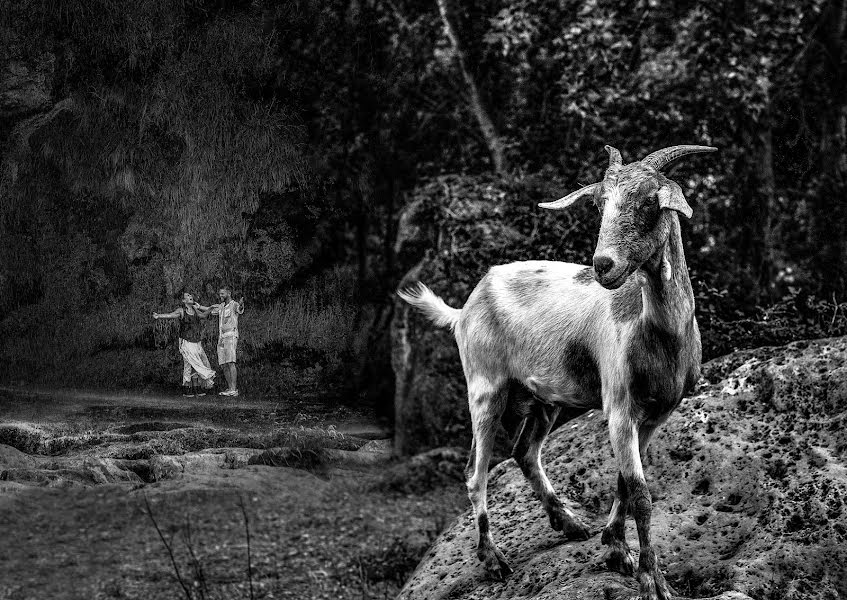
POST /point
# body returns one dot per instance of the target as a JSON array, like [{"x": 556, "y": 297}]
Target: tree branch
[{"x": 486, "y": 125}]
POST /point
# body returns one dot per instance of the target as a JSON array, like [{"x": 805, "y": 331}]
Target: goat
[{"x": 542, "y": 342}]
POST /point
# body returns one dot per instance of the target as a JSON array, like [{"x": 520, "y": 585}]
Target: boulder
[
  {"x": 749, "y": 482},
  {"x": 382, "y": 446},
  {"x": 70, "y": 472},
  {"x": 12, "y": 458}
]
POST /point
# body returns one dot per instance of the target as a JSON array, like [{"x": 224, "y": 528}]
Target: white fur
[
  {"x": 537, "y": 330},
  {"x": 431, "y": 305}
]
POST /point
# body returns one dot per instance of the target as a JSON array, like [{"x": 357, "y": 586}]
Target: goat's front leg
[
  {"x": 619, "y": 556},
  {"x": 527, "y": 453},
  {"x": 624, "y": 432},
  {"x": 486, "y": 403}
]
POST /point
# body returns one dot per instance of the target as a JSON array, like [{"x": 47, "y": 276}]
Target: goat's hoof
[
  {"x": 495, "y": 563},
  {"x": 568, "y": 524},
  {"x": 652, "y": 586},
  {"x": 619, "y": 558}
]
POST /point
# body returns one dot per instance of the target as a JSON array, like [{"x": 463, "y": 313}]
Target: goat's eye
[{"x": 649, "y": 200}]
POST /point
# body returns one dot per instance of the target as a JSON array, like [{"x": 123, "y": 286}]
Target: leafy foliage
[{"x": 193, "y": 142}]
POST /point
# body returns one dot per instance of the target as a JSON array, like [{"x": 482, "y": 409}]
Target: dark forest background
[{"x": 152, "y": 147}]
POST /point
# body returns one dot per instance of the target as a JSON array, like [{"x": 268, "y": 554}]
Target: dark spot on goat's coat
[
  {"x": 644, "y": 204},
  {"x": 585, "y": 276},
  {"x": 627, "y": 301},
  {"x": 528, "y": 285},
  {"x": 518, "y": 407},
  {"x": 482, "y": 523},
  {"x": 581, "y": 366},
  {"x": 657, "y": 357}
]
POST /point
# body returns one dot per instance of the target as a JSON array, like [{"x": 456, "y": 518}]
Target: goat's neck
[{"x": 667, "y": 296}]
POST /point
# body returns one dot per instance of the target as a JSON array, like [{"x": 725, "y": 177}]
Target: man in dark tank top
[{"x": 194, "y": 359}]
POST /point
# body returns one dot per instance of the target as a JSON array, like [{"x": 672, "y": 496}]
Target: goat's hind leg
[
  {"x": 486, "y": 403},
  {"x": 527, "y": 453}
]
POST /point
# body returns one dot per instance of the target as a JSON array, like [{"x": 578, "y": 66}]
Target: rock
[
  {"x": 426, "y": 471},
  {"x": 15, "y": 459},
  {"x": 22, "y": 436},
  {"x": 201, "y": 462},
  {"x": 378, "y": 446},
  {"x": 353, "y": 459},
  {"x": 749, "y": 483},
  {"x": 165, "y": 467},
  {"x": 171, "y": 467},
  {"x": 71, "y": 472},
  {"x": 284, "y": 456}
]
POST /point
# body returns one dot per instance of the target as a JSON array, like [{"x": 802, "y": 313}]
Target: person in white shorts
[{"x": 228, "y": 311}]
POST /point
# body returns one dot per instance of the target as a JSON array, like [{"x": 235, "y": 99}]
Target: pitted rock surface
[{"x": 749, "y": 483}]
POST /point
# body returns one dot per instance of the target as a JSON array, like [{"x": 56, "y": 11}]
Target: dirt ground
[{"x": 77, "y": 526}]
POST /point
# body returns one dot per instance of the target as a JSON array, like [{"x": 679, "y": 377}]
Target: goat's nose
[{"x": 603, "y": 264}]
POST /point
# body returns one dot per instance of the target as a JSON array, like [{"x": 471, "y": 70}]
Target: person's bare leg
[{"x": 229, "y": 373}]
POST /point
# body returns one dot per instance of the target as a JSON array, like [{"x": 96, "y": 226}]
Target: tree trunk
[
  {"x": 756, "y": 208},
  {"x": 388, "y": 240},
  {"x": 830, "y": 212},
  {"x": 486, "y": 125},
  {"x": 361, "y": 240},
  {"x": 766, "y": 208}
]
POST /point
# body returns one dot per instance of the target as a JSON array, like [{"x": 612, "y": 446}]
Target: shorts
[{"x": 226, "y": 349}]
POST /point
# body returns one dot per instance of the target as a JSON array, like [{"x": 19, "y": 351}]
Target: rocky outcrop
[
  {"x": 99, "y": 459},
  {"x": 748, "y": 477}
]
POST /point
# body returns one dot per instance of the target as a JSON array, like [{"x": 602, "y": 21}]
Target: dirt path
[{"x": 56, "y": 406}]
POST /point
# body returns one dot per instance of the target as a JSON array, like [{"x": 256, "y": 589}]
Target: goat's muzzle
[{"x": 609, "y": 271}]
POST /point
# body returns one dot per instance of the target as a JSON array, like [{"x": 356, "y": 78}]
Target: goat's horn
[
  {"x": 665, "y": 156},
  {"x": 570, "y": 198},
  {"x": 614, "y": 156}
]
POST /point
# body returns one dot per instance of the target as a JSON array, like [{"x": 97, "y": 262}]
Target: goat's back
[{"x": 526, "y": 320}]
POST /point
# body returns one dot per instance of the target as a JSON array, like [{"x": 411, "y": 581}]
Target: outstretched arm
[
  {"x": 202, "y": 311},
  {"x": 213, "y": 309},
  {"x": 171, "y": 315},
  {"x": 239, "y": 308}
]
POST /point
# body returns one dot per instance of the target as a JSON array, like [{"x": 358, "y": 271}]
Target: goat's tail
[{"x": 425, "y": 300}]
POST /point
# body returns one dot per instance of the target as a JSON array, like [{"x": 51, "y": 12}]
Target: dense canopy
[{"x": 151, "y": 147}]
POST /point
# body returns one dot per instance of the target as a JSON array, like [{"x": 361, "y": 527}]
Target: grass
[{"x": 319, "y": 316}]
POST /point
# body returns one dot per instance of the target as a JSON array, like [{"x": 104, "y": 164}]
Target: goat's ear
[
  {"x": 565, "y": 202},
  {"x": 670, "y": 196}
]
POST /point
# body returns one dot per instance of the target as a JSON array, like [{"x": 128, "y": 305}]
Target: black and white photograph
[{"x": 423, "y": 299}]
